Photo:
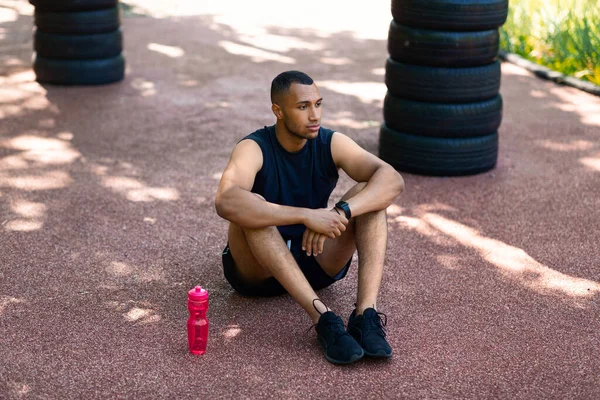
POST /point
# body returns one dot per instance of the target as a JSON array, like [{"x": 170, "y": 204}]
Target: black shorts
[{"x": 315, "y": 275}]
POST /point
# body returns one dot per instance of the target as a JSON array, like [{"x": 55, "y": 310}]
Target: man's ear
[{"x": 277, "y": 111}]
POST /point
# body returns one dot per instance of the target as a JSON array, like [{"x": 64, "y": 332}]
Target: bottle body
[{"x": 197, "y": 326}]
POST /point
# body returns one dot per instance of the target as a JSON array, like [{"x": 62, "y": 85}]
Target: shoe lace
[
  {"x": 335, "y": 325},
  {"x": 378, "y": 324},
  {"x": 375, "y": 323}
]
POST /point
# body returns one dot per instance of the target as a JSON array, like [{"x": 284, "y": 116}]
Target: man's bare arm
[
  {"x": 236, "y": 203},
  {"x": 384, "y": 183}
]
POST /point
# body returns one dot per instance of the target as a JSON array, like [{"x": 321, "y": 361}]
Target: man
[{"x": 282, "y": 238}]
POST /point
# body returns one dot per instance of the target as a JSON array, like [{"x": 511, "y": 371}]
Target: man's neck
[{"x": 288, "y": 140}]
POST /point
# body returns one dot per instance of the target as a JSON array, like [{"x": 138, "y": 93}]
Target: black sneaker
[
  {"x": 368, "y": 331},
  {"x": 339, "y": 346}
]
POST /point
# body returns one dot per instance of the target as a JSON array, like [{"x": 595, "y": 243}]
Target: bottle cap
[{"x": 198, "y": 294}]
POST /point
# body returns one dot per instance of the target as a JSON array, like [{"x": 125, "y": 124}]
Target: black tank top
[{"x": 302, "y": 179}]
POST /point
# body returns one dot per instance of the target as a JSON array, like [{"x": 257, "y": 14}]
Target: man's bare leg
[
  {"x": 262, "y": 253},
  {"x": 371, "y": 244},
  {"x": 367, "y": 234}
]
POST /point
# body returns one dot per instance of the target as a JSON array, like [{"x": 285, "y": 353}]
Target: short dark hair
[{"x": 284, "y": 80}]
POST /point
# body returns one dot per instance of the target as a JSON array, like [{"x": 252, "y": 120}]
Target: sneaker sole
[
  {"x": 352, "y": 359},
  {"x": 378, "y": 355}
]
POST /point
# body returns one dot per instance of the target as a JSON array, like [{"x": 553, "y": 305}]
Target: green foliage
[{"x": 561, "y": 34}]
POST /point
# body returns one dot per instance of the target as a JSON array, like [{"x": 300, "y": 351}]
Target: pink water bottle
[{"x": 197, "y": 323}]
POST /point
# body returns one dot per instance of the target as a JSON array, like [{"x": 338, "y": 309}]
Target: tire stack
[
  {"x": 443, "y": 107},
  {"x": 78, "y": 42}
]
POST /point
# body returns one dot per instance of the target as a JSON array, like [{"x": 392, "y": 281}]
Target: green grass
[{"x": 563, "y": 35}]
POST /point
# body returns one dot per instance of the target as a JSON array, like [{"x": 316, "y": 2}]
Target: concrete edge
[{"x": 547, "y": 73}]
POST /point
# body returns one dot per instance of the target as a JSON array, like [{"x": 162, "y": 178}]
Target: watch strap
[{"x": 342, "y": 205}]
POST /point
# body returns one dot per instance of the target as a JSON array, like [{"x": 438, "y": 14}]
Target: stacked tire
[
  {"x": 78, "y": 42},
  {"x": 443, "y": 108}
]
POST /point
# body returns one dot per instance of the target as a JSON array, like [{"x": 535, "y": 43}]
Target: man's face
[{"x": 301, "y": 110}]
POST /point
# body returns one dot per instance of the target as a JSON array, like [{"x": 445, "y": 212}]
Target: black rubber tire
[
  {"x": 438, "y": 156},
  {"x": 78, "y": 23},
  {"x": 451, "y": 15},
  {"x": 442, "y": 48},
  {"x": 442, "y": 85},
  {"x": 73, "y": 5},
  {"x": 79, "y": 72},
  {"x": 443, "y": 120},
  {"x": 78, "y": 47}
]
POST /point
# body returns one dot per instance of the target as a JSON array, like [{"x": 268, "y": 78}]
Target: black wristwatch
[{"x": 342, "y": 205}]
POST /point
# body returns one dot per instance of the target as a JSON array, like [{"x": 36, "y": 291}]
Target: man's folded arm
[{"x": 236, "y": 203}]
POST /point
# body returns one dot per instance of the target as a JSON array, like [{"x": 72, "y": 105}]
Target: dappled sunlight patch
[
  {"x": 336, "y": 60},
  {"x": 29, "y": 209},
  {"x": 119, "y": 269},
  {"x": 9, "y": 110},
  {"x": 394, "y": 210},
  {"x": 151, "y": 194},
  {"x": 142, "y": 315},
  {"x": 378, "y": 71},
  {"x": 43, "y": 150},
  {"x": 138, "y": 312},
  {"x": 65, "y": 136},
  {"x": 514, "y": 262},
  {"x": 367, "y": 92},
  {"x": 36, "y": 103},
  {"x": 278, "y": 43},
  {"x": 573, "y": 145},
  {"x": 146, "y": 88},
  {"x": 21, "y": 77},
  {"x": 45, "y": 181},
  {"x": 21, "y": 7},
  {"x": 449, "y": 261},
  {"x": 169, "y": 51},
  {"x": 31, "y": 214},
  {"x": 5, "y": 301},
  {"x": 218, "y": 104},
  {"x": 121, "y": 183},
  {"x": 350, "y": 123},
  {"x": 11, "y": 95},
  {"x": 415, "y": 224},
  {"x": 19, "y": 92},
  {"x": 47, "y": 123},
  {"x": 135, "y": 190},
  {"x": 23, "y": 225},
  {"x": 575, "y": 101},
  {"x": 187, "y": 80},
  {"x": 13, "y": 162},
  {"x": 435, "y": 206},
  {"x": 18, "y": 389},
  {"x": 511, "y": 69},
  {"x": 256, "y": 55},
  {"x": 538, "y": 94},
  {"x": 231, "y": 331},
  {"x": 8, "y": 15},
  {"x": 99, "y": 170},
  {"x": 123, "y": 270},
  {"x": 592, "y": 163}
]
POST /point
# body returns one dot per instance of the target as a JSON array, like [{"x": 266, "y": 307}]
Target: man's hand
[{"x": 320, "y": 225}]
